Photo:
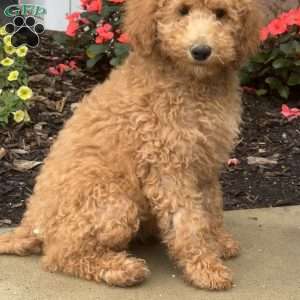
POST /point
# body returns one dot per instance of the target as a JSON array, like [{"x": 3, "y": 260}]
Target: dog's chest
[
  {"x": 187, "y": 130},
  {"x": 199, "y": 132}
]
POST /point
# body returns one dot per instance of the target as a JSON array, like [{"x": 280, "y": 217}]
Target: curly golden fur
[{"x": 146, "y": 147}]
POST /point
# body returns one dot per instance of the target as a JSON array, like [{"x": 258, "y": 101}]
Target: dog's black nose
[{"x": 201, "y": 53}]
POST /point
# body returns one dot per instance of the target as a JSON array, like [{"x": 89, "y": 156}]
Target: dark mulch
[{"x": 265, "y": 134}]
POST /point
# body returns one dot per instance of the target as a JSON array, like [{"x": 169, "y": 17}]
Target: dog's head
[{"x": 201, "y": 36}]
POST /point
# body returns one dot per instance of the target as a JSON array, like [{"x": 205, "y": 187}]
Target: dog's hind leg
[
  {"x": 21, "y": 242},
  {"x": 90, "y": 244},
  {"x": 102, "y": 265}
]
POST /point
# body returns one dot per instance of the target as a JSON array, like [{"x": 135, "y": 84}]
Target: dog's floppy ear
[
  {"x": 250, "y": 12},
  {"x": 140, "y": 24}
]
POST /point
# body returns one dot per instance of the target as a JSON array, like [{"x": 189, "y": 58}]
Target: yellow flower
[
  {"x": 24, "y": 92},
  {"x": 19, "y": 116},
  {"x": 90, "y": 54},
  {"x": 13, "y": 75},
  {"x": 3, "y": 31},
  {"x": 9, "y": 49},
  {"x": 6, "y": 62},
  {"x": 22, "y": 51},
  {"x": 27, "y": 117},
  {"x": 7, "y": 40}
]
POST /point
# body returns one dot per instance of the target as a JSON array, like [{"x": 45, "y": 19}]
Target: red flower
[
  {"x": 85, "y": 21},
  {"x": 75, "y": 16},
  {"x": 60, "y": 69},
  {"x": 73, "y": 25},
  {"x": 264, "y": 34},
  {"x": 290, "y": 113},
  {"x": 233, "y": 162},
  {"x": 291, "y": 17},
  {"x": 280, "y": 25},
  {"x": 277, "y": 27},
  {"x": 104, "y": 34},
  {"x": 249, "y": 90},
  {"x": 53, "y": 71},
  {"x": 123, "y": 38},
  {"x": 72, "y": 28},
  {"x": 117, "y": 1},
  {"x": 72, "y": 64},
  {"x": 92, "y": 5}
]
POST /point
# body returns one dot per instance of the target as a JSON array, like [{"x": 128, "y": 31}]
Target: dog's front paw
[
  {"x": 209, "y": 274},
  {"x": 228, "y": 246},
  {"x": 131, "y": 272}
]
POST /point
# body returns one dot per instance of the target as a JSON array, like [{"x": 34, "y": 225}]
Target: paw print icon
[{"x": 25, "y": 31}]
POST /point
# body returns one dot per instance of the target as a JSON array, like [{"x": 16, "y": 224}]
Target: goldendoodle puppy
[{"x": 146, "y": 147}]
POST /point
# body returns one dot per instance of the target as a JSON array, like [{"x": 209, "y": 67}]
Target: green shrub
[
  {"x": 275, "y": 70},
  {"x": 14, "y": 90}
]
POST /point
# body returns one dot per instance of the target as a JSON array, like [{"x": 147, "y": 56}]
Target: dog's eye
[
  {"x": 184, "y": 10},
  {"x": 220, "y": 13}
]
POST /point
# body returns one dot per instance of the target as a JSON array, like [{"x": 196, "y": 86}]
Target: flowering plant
[
  {"x": 14, "y": 92},
  {"x": 276, "y": 68},
  {"x": 62, "y": 68},
  {"x": 95, "y": 33}
]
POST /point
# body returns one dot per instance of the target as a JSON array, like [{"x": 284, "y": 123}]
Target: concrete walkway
[{"x": 269, "y": 268}]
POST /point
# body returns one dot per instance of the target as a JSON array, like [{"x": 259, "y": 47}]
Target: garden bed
[{"x": 252, "y": 183}]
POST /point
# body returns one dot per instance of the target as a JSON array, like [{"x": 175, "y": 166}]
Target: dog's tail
[{"x": 21, "y": 242}]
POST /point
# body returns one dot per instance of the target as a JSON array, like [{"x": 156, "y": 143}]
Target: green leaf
[
  {"x": 283, "y": 74},
  {"x": 274, "y": 83},
  {"x": 96, "y": 49},
  {"x": 287, "y": 48},
  {"x": 281, "y": 63},
  {"x": 252, "y": 67},
  {"x": 284, "y": 38},
  {"x": 85, "y": 14},
  {"x": 92, "y": 61},
  {"x": 290, "y": 48},
  {"x": 115, "y": 61},
  {"x": 107, "y": 10},
  {"x": 245, "y": 78},
  {"x": 284, "y": 92},
  {"x": 261, "y": 92},
  {"x": 275, "y": 52},
  {"x": 294, "y": 79},
  {"x": 260, "y": 57},
  {"x": 4, "y": 119},
  {"x": 121, "y": 49},
  {"x": 296, "y": 45},
  {"x": 95, "y": 18},
  {"x": 264, "y": 72}
]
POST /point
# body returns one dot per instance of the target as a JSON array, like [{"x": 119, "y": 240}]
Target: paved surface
[{"x": 269, "y": 268}]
